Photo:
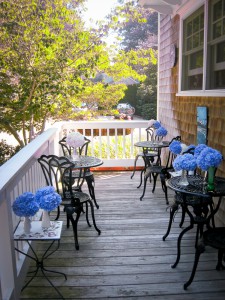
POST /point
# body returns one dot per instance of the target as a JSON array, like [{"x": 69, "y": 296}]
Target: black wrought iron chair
[
  {"x": 155, "y": 170},
  {"x": 213, "y": 237},
  {"x": 89, "y": 176},
  {"x": 150, "y": 153},
  {"x": 58, "y": 173}
]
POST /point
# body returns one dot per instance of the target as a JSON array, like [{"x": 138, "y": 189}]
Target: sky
[{"x": 98, "y": 9}]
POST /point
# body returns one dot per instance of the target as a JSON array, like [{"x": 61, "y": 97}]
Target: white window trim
[{"x": 185, "y": 11}]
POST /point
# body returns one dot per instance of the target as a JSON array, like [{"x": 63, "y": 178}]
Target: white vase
[
  {"x": 75, "y": 155},
  {"x": 27, "y": 225},
  {"x": 46, "y": 223},
  {"x": 183, "y": 180}
]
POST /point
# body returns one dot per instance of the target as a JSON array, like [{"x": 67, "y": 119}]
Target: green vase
[{"x": 211, "y": 177}]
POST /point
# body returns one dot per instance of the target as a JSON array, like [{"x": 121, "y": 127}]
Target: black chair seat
[
  {"x": 215, "y": 238},
  {"x": 153, "y": 169},
  {"x": 79, "y": 196}
]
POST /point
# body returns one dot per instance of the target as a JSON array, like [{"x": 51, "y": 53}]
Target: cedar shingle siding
[{"x": 179, "y": 114}]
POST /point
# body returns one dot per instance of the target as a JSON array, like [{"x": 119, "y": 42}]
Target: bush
[{"x": 7, "y": 151}]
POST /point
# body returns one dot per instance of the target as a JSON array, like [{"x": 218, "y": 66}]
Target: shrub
[{"x": 7, "y": 151}]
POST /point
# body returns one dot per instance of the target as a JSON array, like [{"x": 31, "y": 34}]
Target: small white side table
[{"x": 37, "y": 233}]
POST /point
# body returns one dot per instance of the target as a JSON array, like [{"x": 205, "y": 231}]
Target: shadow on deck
[{"x": 128, "y": 260}]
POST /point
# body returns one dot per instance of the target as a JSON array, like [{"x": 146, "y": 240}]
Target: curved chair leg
[
  {"x": 90, "y": 183},
  {"x": 173, "y": 210},
  {"x": 145, "y": 182},
  {"x": 164, "y": 188},
  {"x": 135, "y": 164},
  {"x": 70, "y": 211},
  {"x": 86, "y": 204},
  {"x": 93, "y": 217},
  {"x": 199, "y": 250},
  {"x": 141, "y": 174},
  {"x": 154, "y": 181}
]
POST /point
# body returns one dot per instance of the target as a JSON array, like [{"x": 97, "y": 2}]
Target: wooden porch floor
[{"x": 128, "y": 260}]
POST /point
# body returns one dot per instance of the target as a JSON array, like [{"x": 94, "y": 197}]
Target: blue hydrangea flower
[
  {"x": 25, "y": 205},
  {"x": 161, "y": 131},
  {"x": 185, "y": 162},
  {"x": 209, "y": 157},
  {"x": 190, "y": 147},
  {"x": 175, "y": 147},
  {"x": 198, "y": 149},
  {"x": 156, "y": 124},
  {"x": 47, "y": 198}
]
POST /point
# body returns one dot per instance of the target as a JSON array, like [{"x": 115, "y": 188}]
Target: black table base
[{"x": 40, "y": 265}]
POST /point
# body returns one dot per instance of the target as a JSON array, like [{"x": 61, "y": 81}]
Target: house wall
[{"x": 179, "y": 114}]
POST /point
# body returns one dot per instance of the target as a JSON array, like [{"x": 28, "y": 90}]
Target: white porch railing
[
  {"x": 21, "y": 173},
  {"x": 112, "y": 141}
]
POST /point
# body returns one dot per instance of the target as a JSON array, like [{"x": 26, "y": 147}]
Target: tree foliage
[
  {"x": 47, "y": 58},
  {"x": 137, "y": 30}
]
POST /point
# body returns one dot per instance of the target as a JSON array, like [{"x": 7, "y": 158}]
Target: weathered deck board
[{"x": 128, "y": 260}]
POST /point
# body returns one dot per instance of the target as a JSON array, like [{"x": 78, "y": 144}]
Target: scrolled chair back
[{"x": 58, "y": 172}]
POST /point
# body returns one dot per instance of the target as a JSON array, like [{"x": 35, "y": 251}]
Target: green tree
[
  {"x": 47, "y": 58},
  {"x": 137, "y": 30},
  {"x": 44, "y": 53}
]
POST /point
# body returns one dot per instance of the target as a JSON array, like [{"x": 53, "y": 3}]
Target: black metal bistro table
[
  {"x": 85, "y": 161},
  {"x": 147, "y": 146},
  {"x": 37, "y": 233},
  {"x": 195, "y": 195}
]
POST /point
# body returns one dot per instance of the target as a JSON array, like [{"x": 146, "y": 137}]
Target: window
[
  {"x": 199, "y": 72},
  {"x": 193, "y": 51},
  {"x": 216, "y": 45}
]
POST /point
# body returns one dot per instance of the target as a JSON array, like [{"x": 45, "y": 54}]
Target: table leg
[
  {"x": 40, "y": 264},
  {"x": 179, "y": 243}
]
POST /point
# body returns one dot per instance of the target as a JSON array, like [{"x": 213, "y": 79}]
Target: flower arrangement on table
[
  {"x": 154, "y": 123},
  {"x": 161, "y": 131},
  {"x": 207, "y": 160},
  {"x": 47, "y": 199},
  {"x": 198, "y": 149},
  {"x": 75, "y": 139},
  {"x": 209, "y": 157},
  {"x": 25, "y": 206},
  {"x": 177, "y": 147},
  {"x": 185, "y": 162}
]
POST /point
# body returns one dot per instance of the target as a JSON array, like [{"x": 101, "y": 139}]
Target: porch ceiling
[{"x": 162, "y": 6}]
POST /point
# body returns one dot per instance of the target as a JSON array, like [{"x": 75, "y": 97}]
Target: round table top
[
  {"x": 151, "y": 144},
  {"x": 197, "y": 186},
  {"x": 85, "y": 161}
]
